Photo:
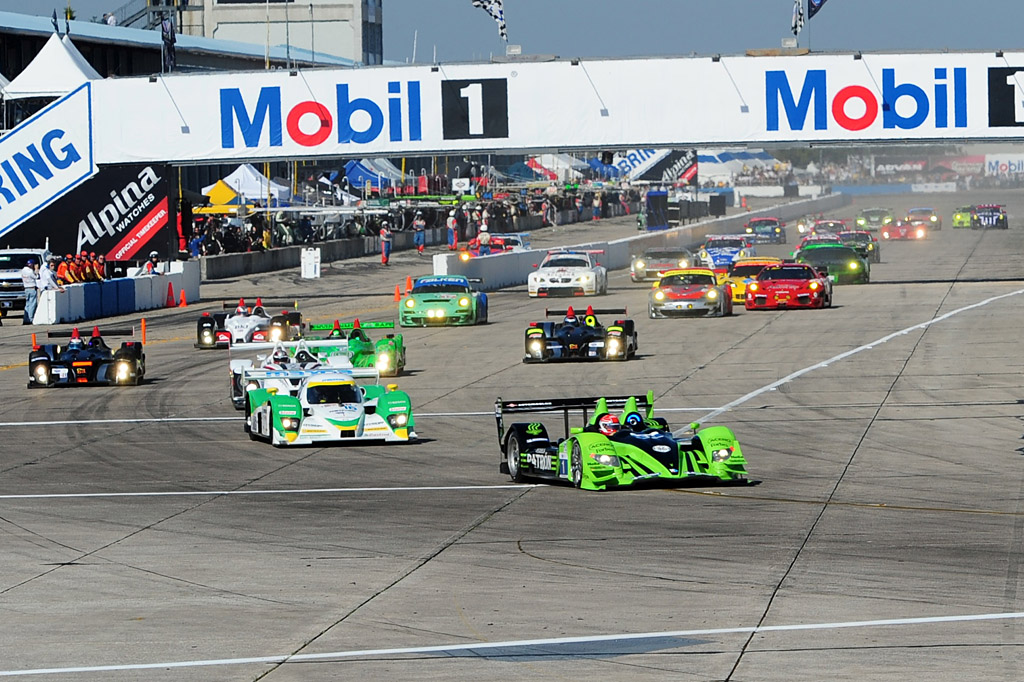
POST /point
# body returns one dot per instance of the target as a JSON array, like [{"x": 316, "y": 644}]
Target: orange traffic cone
[
  {"x": 184, "y": 302},
  {"x": 398, "y": 293},
  {"x": 743, "y": 202},
  {"x": 408, "y": 284},
  {"x": 170, "y": 295}
]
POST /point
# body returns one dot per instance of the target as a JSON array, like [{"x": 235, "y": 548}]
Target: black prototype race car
[
  {"x": 581, "y": 337},
  {"x": 86, "y": 362}
]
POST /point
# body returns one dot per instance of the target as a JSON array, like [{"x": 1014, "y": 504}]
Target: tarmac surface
[{"x": 145, "y": 537}]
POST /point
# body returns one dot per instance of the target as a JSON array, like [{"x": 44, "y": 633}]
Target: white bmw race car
[{"x": 569, "y": 273}]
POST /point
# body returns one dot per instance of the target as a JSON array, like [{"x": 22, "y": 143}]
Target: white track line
[
  {"x": 512, "y": 644},
  {"x": 282, "y": 491},
  {"x": 842, "y": 356},
  {"x": 157, "y": 420}
]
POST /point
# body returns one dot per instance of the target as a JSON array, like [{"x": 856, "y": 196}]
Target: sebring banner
[{"x": 601, "y": 104}]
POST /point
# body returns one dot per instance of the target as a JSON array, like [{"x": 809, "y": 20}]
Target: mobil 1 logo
[
  {"x": 474, "y": 108},
  {"x": 1006, "y": 97}
]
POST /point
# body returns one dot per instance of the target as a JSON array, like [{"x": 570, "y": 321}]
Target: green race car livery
[
  {"x": 963, "y": 216},
  {"x": 613, "y": 452},
  {"x": 842, "y": 263},
  {"x": 442, "y": 300},
  {"x": 307, "y": 406},
  {"x": 387, "y": 355}
]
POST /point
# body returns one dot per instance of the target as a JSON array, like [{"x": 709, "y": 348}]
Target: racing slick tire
[
  {"x": 481, "y": 317},
  {"x": 513, "y": 450},
  {"x": 576, "y": 465}
]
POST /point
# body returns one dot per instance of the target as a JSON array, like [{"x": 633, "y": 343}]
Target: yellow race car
[{"x": 745, "y": 270}]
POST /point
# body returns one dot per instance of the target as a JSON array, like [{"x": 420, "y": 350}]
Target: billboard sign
[
  {"x": 44, "y": 158},
  {"x": 122, "y": 213}
]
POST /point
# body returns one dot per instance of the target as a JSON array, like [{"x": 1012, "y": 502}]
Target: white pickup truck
[{"x": 12, "y": 291}]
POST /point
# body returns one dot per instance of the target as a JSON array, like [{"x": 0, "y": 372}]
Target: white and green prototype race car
[{"x": 312, "y": 406}]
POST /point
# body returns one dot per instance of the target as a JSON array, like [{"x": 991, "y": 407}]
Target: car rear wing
[
  {"x": 575, "y": 250},
  {"x": 389, "y": 324},
  {"x": 266, "y": 305},
  {"x": 67, "y": 334},
  {"x": 303, "y": 343},
  {"x": 550, "y": 312},
  {"x": 326, "y": 372},
  {"x": 563, "y": 405}
]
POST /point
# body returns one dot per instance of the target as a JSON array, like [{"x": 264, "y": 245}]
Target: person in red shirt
[{"x": 63, "y": 271}]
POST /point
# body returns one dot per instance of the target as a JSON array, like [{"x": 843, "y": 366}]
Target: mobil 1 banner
[{"x": 123, "y": 212}]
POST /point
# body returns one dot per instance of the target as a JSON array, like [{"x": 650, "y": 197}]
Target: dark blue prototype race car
[
  {"x": 86, "y": 361},
  {"x": 581, "y": 337}
]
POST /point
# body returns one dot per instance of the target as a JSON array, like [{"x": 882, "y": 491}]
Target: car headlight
[
  {"x": 536, "y": 346},
  {"x": 464, "y": 256},
  {"x": 464, "y": 302},
  {"x": 920, "y": 234},
  {"x": 123, "y": 370},
  {"x": 289, "y": 424},
  {"x": 885, "y": 235},
  {"x": 659, "y": 295},
  {"x": 812, "y": 286},
  {"x": 684, "y": 264},
  {"x": 886, "y": 221},
  {"x": 640, "y": 264},
  {"x": 713, "y": 293},
  {"x": 721, "y": 455},
  {"x": 398, "y": 420},
  {"x": 613, "y": 346},
  {"x": 752, "y": 286},
  {"x": 934, "y": 218},
  {"x": 383, "y": 361},
  {"x": 586, "y": 278},
  {"x": 854, "y": 265},
  {"x": 749, "y": 231},
  {"x": 871, "y": 247},
  {"x": 410, "y": 303},
  {"x": 778, "y": 230},
  {"x": 275, "y": 334},
  {"x": 741, "y": 254},
  {"x": 207, "y": 334},
  {"x": 42, "y": 374},
  {"x": 703, "y": 253},
  {"x": 606, "y": 460},
  {"x": 861, "y": 221}
]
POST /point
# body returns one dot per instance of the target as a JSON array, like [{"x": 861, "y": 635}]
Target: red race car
[
  {"x": 901, "y": 229},
  {"x": 790, "y": 285}
]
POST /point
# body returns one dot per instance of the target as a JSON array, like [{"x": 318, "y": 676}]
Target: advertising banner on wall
[
  {"x": 44, "y": 158},
  {"x": 900, "y": 166},
  {"x": 1007, "y": 163},
  {"x": 417, "y": 110},
  {"x": 123, "y": 213}
]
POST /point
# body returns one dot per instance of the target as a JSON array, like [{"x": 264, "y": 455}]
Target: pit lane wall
[
  {"x": 122, "y": 296},
  {"x": 512, "y": 269}
]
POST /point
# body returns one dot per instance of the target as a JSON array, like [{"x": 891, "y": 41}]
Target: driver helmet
[
  {"x": 280, "y": 357},
  {"x": 608, "y": 424},
  {"x": 570, "y": 316},
  {"x": 154, "y": 254},
  {"x": 451, "y": 213}
]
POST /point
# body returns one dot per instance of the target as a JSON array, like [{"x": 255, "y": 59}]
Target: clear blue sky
[{"x": 617, "y": 28}]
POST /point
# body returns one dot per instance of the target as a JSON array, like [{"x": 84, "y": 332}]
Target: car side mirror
[
  {"x": 535, "y": 265},
  {"x": 694, "y": 426},
  {"x": 306, "y": 412},
  {"x": 392, "y": 387},
  {"x": 598, "y": 264}
]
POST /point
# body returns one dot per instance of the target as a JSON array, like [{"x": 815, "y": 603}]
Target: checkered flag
[
  {"x": 798, "y": 16},
  {"x": 497, "y": 11}
]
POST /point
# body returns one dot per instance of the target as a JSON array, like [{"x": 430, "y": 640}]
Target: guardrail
[
  {"x": 121, "y": 296},
  {"x": 512, "y": 269}
]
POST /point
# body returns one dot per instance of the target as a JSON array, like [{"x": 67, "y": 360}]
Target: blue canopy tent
[{"x": 358, "y": 175}]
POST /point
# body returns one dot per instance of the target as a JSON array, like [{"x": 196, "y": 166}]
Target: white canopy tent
[
  {"x": 253, "y": 185},
  {"x": 58, "y": 69}
]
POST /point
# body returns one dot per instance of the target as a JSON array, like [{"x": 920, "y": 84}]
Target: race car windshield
[
  {"x": 566, "y": 263},
  {"x": 828, "y": 256},
  {"x": 855, "y": 237},
  {"x": 875, "y": 213},
  {"x": 786, "y": 273},
  {"x": 989, "y": 210},
  {"x": 440, "y": 288},
  {"x": 16, "y": 261},
  {"x": 828, "y": 225},
  {"x": 746, "y": 270},
  {"x": 691, "y": 279},
  {"x": 333, "y": 394},
  {"x": 725, "y": 244},
  {"x": 665, "y": 254},
  {"x": 768, "y": 225}
]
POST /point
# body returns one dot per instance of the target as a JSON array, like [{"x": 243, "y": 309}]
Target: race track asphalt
[{"x": 883, "y": 542}]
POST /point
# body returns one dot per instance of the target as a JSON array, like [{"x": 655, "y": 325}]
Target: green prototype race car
[
  {"x": 438, "y": 300},
  {"x": 842, "y": 263},
  {"x": 387, "y": 355},
  {"x": 612, "y": 452}
]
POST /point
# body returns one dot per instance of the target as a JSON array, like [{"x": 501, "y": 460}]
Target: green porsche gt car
[
  {"x": 438, "y": 300},
  {"x": 614, "y": 452},
  {"x": 963, "y": 217},
  {"x": 842, "y": 263},
  {"x": 387, "y": 355}
]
